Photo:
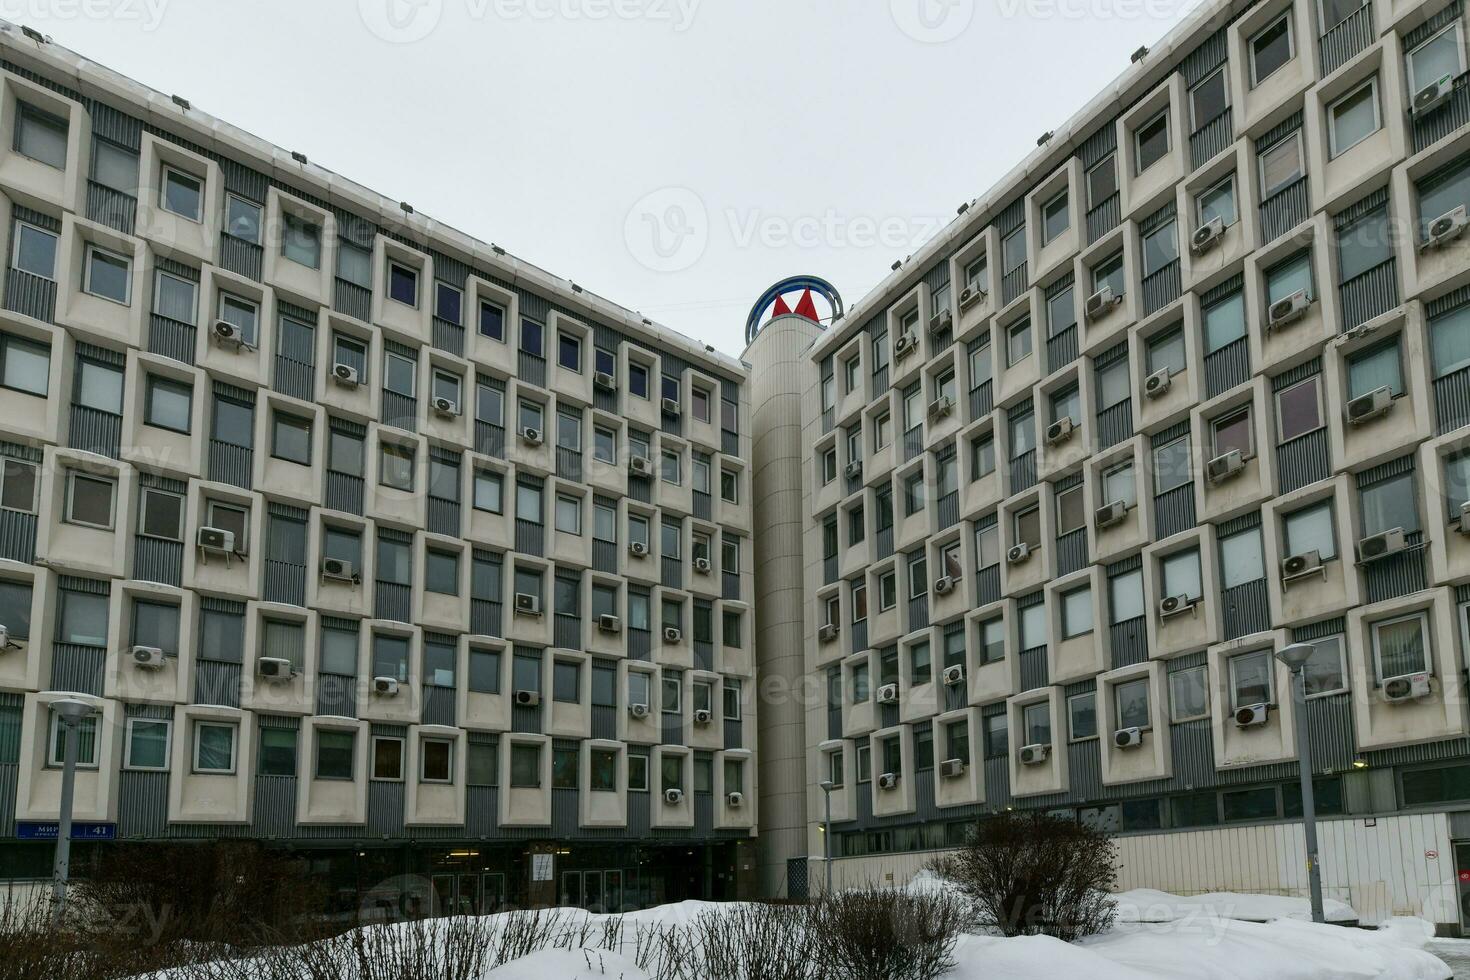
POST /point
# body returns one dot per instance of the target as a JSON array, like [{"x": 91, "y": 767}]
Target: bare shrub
[
  {"x": 883, "y": 934},
  {"x": 1032, "y": 874}
]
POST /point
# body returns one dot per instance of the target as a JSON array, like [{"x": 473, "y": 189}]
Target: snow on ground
[
  {"x": 563, "y": 964},
  {"x": 1147, "y": 905}
]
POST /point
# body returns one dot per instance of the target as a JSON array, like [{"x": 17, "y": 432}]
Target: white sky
[{"x": 828, "y": 137}]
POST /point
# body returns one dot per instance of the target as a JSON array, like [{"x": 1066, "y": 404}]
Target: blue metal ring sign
[{"x": 821, "y": 287}]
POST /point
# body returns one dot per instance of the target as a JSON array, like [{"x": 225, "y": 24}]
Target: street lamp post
[
  {"x": 827, "y": 788},
  {"x": 1295, "y": 658},
  {"x": 71, "y": 712}
]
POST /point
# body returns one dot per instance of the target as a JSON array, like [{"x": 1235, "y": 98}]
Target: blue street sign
[{"x": 80, "y": 830}]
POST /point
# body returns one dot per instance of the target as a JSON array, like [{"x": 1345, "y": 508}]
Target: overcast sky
[{"x": 675, "y": 156}]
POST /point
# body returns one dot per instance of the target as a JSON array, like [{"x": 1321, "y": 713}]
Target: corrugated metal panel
[
  {"x": 1174, "y": 511},
  {"x": 1129, "y": 642},
  {"x": 1246, "y": 608},
  {"x": 385, "y": 808},
  {"x": 1284, "y": 210},
  {"x": 1346, "y": 40},
  {"x": 1432, "y": 26},
  {"x": 1210, "y": 54},
  {"x": 77, "y": 668},
  {"x": 1303, "y": 461},
  {"x": 217, "y": 682}
]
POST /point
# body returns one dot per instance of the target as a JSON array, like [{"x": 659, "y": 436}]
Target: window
[
  {"x": 492, "y": 321},
  {"x": 334, "y": 752},
  {"x": 301, "y": 241},
  {"x": 729, "y": 486},
  {"x": 448, "y": 302},
  {"x": 232, "y": 518},
  {"x": 387, "y": 758},
  {"x": 15, "y": 608},
  {"x": 89, "y": 500},
  {"x": 108, "y": 275},
  {"x": 1076, "y": 613},
  {"x": 169, "y": 404},
  {"x": 1242, "y": 558},
  {"x": 1281, "y": 165},
  {"x": 1224, "y": 322},
  {"x": 1271, "y": 49},
  {"x": 146, "y": 744},
  {"x": 1130, "y": 700},
  {"x": 1108, "y": 274},
  {"x": 1218, "y": 202},
  {"x": 1232, "y": 433},
  {"x": 1377, "y": 367},
  {"x": 568, "y": 514},
  {"x": 1449, "y": 341},
  {"x": 1290, "y": 277},
  {"x": 395, "y": 466},
  {"x": 566, "y": 681},
  {"x": 918, "y": 576},
  {"x": 400, "y": 374},
  {"x": 1311, "y": 529},
  {"x": 214, "y": 747},
  {"x": 1055, "y": 218},
  {"x": 436, "y": 760},
  {"x": 1151, "y": 141},
  {"x": 1250, "y": 679},
  {"x": 447, "y": 386},
  {"x": 670, "y": 694},
  {"x": 182, "y": 193},
  {"x": 1457, "y": 481},
  {"x": 921, "y": 665},
  {"x": 1082, "y": 716},
  {"x": 530, "y": 415},
  {"x": 1018, "y": 341},
  {"x": 669, "y": 468},
  {"x": 1036, "y": 723},
  {"x": 1033, "y": 626},
  {"x": 913, "y": 493},
  {"x": 156, "y": 624},
  {"x": 244, "y": 314},
  {"x": 1160, "y": 248},
  {"x": 441, "y": 571},
  {"x": 1013, "y": 250},
  {"x": 1125, "y": 596},
  {"x": 34, "y": 251},
  {"x": 1102, "y": 181},
  {"x": 1172, "y": 465},
  {"x": 997, "y": 737},
  {"x": 291, "y": 438},
  {"x": 638, "y": 379},
  {"x": 1061, "y": 312},
  {"x": 1440, "y": 56},
  {"x": 1028, "y": 527},
  {"x": 569, "y": 351},
  {"x": 40, "y": 135},
  {"x": 532, "y": 337},
  {"x": 671, "y": 772},
  {"x": 1326, "y": 669},
  {"x": 1400, "y": 646},
  {"x": 525, "y": 765},
  {"x": 982, "y": 457},
  {"x": 242, "y": 217},
  {"x": 489, "y": 491},
  {"x": 1388, "y": 505},
  {"x": 1119, "y": 485},
  {"x": 637, "y": 773},
  {"x": 1353, "y": 118},
  {"x": 975, "y": 274},
  {"x": 882, "y": 431},
  {"x": 338, "y": 649},
  {"x": 1166, "y": 350},
  {"x": 1208, "y": 99},
  {"x": 1299, "y": 409},
  {"x": 276, "y": 750},
  {"x": 1180, "y": 575},
  {"x": 86, "y": 743},
  {"x": 1189, "y": 694}
]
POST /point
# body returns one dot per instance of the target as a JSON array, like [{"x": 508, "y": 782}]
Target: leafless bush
[
  {"x": 1032, "y": 874},
  {"x": 882, "y": 934}
]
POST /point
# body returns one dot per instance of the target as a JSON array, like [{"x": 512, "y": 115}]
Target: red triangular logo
[
  {"x": 780, "y": 309},
  {"x": 806, "y": 307}
]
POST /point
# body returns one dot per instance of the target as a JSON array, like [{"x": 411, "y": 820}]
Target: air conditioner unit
[
  {"x": 445, "y": 407},
  {"x": 944, "y": 585},
  {"x": 338, "y": 569},
  {"x": 1382, "y": 545},
  {"x": 1368, "y": 407},
  {"x": 1415, "y": 687},
  {"x": 274, "y": 668},
  {"x": 1174, "y": 605},
  {"x": 669, "y": 406},
  {"x": 531, "y": 436},
  {"x": 1207, "y": 236},
  {"x": 1288, "y": 310},
  {"x": 227, "y": 333},
  {"x": 1298, "y": 566},
  {"x": 673, "y": 797},
  {"x": 1018, "y": 553},
  {"x": 1113, "y": 513},
  {"x": 888, "y": 694},
  {"x": 971, "y": 295},
  {"x": 148, "y": 658},
  {"x": 604, "y": 381},
  {"x": 528, "y": 699},
  {"x": 1035, "y": 755},
  {"x": 904, "y": 345},
  {"x": 638, "y": 549},
  {"x": 385, "y": 686},
  {"x": 346, "y": 375},
  {"x": 889, "y": 780},
  {"x": 854, "y": 470},
  {"x": 942, "y": 320},
  {"x": 703, "y": 716},
  {"x": 1464, "y": 527},
  {"x": 1060, "y": 430},
  {"x": 827, "y": 633},
  {"x": 4, "y": 637},
  {"x": 954, "y": 674},
  {"x": 1252, "y": 715},
  {"x": 1222, "y": 468},
  {"x": 1127, "y": 738},
  {"x": 1101, "y": 303},
  {"x": 735, "y": 800},
  {"x": 638, "y": 710},
  {"x": 952, "y": 768},
  {"x": 702, "y": 566},
  {"x": 1447, "y": 227},
  {"x": 941, "y": 407},
  {"x": 640, "y": 466},
  {"x": 215, "y": 541},
  {"x": 528, "y": 603},
  {"x": 1433, "y": 95},
  {"x": 672, "y": 634},
  {"x": 609, "y": 623},
  {"x": 1157, "y": 385}
]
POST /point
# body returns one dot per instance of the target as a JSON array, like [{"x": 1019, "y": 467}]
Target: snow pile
[
  {"x": 564, "y": 964},
  {"x": 1147, "y": 905}
]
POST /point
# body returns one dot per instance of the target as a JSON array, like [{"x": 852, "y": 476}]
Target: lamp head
[
  {"x": 1296, "y": 656},
  {"x": 827, "y": 785},
  {"x": 72, "y": 710}
]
